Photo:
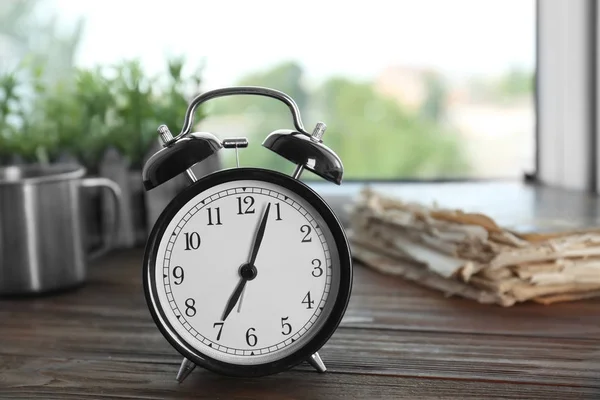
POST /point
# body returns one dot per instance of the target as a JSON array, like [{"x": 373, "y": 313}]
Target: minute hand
[{"x": 259, "y": 235}]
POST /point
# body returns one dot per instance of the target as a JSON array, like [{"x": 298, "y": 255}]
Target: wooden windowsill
[{"x": 513, "y": 204}]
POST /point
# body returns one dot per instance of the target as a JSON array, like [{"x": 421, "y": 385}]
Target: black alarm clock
[{"x": 247, "y": 271}]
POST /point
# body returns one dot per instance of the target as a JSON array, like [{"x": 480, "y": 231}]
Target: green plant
[
  {"x": 85, "y": 129},
  {"x": 91, "y": 110},
  {"x": 21, "y": 127},
  {"x": 39, "y": 57},
  {"x": 76, "y": 112},
  {"x": 8, "y": 97},
  {"x": 143, "y": 102},
  {"x": 170, "y": 105},
  {"x": 133, "y": 117}
]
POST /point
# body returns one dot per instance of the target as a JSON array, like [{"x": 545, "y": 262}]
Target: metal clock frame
[{"x": 307, "y": 352}]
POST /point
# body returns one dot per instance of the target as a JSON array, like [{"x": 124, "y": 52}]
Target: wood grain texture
[{"x": 398, "y": 340}]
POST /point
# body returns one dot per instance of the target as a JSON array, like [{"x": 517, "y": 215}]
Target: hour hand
[
  {"x": 247, "y": 273},
  {"x": 234, "y": 298}
]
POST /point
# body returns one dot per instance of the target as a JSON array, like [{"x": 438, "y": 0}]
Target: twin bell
[{"x": 180, "y": 153}]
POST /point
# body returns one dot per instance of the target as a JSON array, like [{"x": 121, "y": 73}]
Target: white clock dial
[{"x": 286, "y": 298}]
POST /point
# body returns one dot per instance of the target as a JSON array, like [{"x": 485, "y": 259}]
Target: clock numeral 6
[
  {"x": 317, "y": 270},
  {"x": 251, "y": 338},
  {"x": 287, "y": 328},
  {"x": 307, "y": 230},
  {"x": 190, "y": 309},
  {"x": 178, "y": 274},
  {"x": 249, "y": 202},
  {"x": 309, "y": 303},
  {"x": 220, "y": 325},
  {"x": 192, "y": 240}
]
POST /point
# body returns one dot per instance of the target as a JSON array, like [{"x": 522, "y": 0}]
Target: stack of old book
[{"x": 469, "y": 255}]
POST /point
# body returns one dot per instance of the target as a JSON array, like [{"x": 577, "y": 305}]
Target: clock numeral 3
[
  {"x": 309, "y": 303},
  {"x": 307, "y": 230},
  {"x": 251, "y": 338},
  {"x": 178, "y": 274},
  {"x": 317, "y": 270},
  {"x": 190, "y": 310},
  {"x": 249, "y": 202},
  {"x": 220, "y": 325},
  {"x": 217, "y": 217},
  {"x": 192, "y": 241},
  {"x": 287, "y": 328}
]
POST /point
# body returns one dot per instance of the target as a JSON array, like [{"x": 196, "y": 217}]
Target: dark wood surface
[{"x": 397, "y": 340}]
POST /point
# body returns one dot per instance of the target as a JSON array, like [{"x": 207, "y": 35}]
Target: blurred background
[
  {"x": 406, "y": 88},
  {"x": 410, "y": 90}
]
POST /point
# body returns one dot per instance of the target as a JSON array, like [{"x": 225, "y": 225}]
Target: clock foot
[
  {"x": 317, "y": 363},
  {"x": 185, "y": 369}
]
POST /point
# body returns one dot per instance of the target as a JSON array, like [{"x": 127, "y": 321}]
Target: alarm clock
[{"x": 247, "y": 271}]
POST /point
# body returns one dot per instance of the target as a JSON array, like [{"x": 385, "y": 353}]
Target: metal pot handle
[{"x": 113, "y": 230}]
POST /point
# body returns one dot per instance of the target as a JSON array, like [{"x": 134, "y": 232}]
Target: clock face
[{"x": 246, "y": 272}]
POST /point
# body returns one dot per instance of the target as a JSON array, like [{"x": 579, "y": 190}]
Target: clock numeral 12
[
  {"x": 217, "y": 217},
  {"x": 192, "y": 241},
  {"x": 309, "y": 303},
  {"x": 249, "y": 202}
]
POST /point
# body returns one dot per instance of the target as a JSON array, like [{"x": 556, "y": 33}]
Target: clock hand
[
  {"x": 241, "y": 301},
  {"x": 259, "y": 235},
  {"x": 248, "y": 271},
  {"x": 257, "y": 242},
  {"x": 234, "y": 297}
]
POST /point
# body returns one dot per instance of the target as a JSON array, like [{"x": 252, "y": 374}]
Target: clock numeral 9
[
  {"x": 249, "y": 202},
  {"x": 309, "y": 303},
  {"x": 251, "y": 338},
  {"x": 217, "y": 217},
  {"x": 192, "y": 241},
  {"x": 190, "y": 310},
  {"x": 220, "y": 325},
  {"x": 317, "y": 270},
  {"x": 286, "y": 326},
  {"x": 307, "y": 230},
  {"x": 178, "y": 274}
]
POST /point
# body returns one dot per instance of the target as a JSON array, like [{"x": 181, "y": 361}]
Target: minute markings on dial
[{"x": 294, "y": 336}]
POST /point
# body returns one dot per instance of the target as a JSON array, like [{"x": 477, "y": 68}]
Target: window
[{"x": 409, "y": 89}]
